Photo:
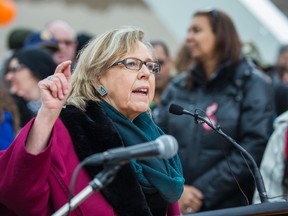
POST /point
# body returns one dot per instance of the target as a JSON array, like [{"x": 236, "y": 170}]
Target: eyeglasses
[
  {"x": 136, "y": 64},
  {"x": 16, "y": 68}
]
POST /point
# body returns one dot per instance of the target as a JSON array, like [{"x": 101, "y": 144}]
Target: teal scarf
[{"x": 154, "y": 174}]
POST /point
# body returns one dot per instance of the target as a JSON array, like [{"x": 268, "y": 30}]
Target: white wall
[
  {"x": 36, "y": 14},
  {"x": 258, "y": 21},
  {"x": 164, "y": 19}
]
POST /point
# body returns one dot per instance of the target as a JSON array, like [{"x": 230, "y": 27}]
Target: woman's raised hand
[
  {"x": 54, "y": 91},
  {"x": 56, "y": 88}
]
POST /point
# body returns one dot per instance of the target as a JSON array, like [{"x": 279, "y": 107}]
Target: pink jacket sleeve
[
  {"x": 22, "y": 174},
  {"x": 173, "y": 209}
]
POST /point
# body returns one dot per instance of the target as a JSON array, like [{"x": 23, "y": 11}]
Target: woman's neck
[{"x": 209, "y": 66}]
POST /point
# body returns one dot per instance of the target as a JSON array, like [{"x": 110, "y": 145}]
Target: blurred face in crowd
[
  {"x": 200, "y": 39},
  {"x": 22, "y": 82},
  {"x": 162, "y": 79},
  {"x": 283, "y": 59},
  {"x": 130, "y": 91},
  {"x": 66, "y": 42}
]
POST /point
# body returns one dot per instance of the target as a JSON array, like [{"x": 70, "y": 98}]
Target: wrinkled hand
[
  {"x": 56, "y": 88},
  {"x": 191, "y": 200}
]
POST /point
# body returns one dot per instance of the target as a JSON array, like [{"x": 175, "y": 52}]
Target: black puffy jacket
[{"x": 238, "y": 100}]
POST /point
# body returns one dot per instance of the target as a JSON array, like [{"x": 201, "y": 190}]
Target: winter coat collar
[{"x": 93, "y": 132}]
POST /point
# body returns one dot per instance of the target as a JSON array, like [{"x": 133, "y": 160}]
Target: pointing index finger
[{"x": 65, "y": 68}]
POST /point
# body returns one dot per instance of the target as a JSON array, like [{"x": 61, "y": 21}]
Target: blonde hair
[{"x": 98, "y": 56}]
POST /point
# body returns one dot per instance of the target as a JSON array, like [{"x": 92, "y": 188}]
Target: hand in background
[{"x": 191, "y": 199}]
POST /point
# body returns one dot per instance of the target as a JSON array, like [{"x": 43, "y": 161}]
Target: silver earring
[{"x": 102, "y": 91}]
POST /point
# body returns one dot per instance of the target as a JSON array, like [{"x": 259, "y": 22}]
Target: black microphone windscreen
[{"x": 176, "y": 109}]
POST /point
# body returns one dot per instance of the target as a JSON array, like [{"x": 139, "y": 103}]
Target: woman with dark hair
[
  {"x": 9, "y": 118},
  {"x": 231, "y": 93}
]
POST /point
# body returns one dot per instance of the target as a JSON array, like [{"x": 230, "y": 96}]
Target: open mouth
[{"x": 143, "y": 91}]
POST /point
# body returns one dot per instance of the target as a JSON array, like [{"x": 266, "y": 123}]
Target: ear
[{"x": 98, "y": 82}]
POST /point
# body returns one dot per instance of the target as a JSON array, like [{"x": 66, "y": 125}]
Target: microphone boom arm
[
  {"x": 258, "y": 177},
  {"x": 101, "y": 180}
]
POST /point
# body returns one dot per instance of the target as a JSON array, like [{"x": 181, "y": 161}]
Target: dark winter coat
[{"x": 239, "y": 99}]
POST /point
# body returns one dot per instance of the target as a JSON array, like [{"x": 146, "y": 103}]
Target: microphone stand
[
  {"x": 101, "y": 180},
  {"x": 258, "y": 177}
]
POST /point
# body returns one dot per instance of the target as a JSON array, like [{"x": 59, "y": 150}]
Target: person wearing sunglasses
[
  {"x": 228, "y": 90},
  {"x": 103, "y": 105}
]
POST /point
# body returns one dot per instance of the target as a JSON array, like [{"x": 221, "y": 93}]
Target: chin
[{"x": 141, "y": 108}]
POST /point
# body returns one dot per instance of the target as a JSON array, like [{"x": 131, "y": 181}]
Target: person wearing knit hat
[
  {"x": 38, "y": 60},
  {"x": 24, "y": 70},
  {"x": 17, "y": 37}
]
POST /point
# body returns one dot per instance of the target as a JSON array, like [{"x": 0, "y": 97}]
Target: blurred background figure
[
  {"x": 280, "y": 98},
  {"x": 278, "y": 71},
  {"x": 279, "y": 76},
  {"x": 281, "y": 67},
  {"x": 229, "y": 91},
  {"x": 66, "y": 38},
  {"x": 17, "y": 37},
  {"x": 15, "y": 40},
  {"x": 282, "y": 59},
  {"x": 23, "y": 72},
  {"x": 161, "y": 80},
  {"x": 274, "y": 166},
  {"x": 41, "y": 39},
  {"x": 82, "y": 39},
  {"x": 9, "y": 118},
  {"x": 183, "y": 59},
  {"x": 251, "y": 52}
]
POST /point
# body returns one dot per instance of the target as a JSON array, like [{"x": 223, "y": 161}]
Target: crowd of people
[{"x": 66, "y": 95}]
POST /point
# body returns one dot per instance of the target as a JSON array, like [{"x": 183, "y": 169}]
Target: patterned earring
[{"x": 102, "y": 91}]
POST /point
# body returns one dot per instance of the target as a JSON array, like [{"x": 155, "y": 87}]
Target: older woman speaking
[{"x": 105, "y": 106}]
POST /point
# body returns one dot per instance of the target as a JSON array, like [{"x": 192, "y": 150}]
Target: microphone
[
  {"x": 178, "y": 110},
  {"x": 164, "y": 147}
]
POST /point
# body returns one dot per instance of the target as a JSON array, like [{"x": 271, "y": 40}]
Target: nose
[
  {"x": 144, "y": 72},
  {"x": 189, "y": 36},
  {"x": 8, "y": 76}
]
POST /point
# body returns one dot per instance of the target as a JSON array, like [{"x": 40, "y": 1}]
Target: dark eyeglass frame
[
  {"x": 16, "y": 68},
  {"x": 156, "y": 65}
]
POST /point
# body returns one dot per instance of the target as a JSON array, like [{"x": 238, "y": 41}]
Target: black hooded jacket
[{"x": 240, "y": 101}]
